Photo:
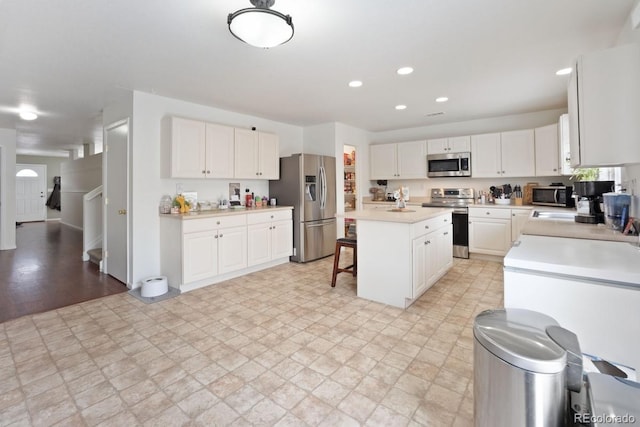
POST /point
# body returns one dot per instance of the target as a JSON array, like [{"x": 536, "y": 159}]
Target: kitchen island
[
  {"x": 591, "y": 287},
  {"x": 401, "y": 254}
]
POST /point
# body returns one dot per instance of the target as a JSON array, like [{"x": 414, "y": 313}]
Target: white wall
[
  {"x": 78, "y": 177},
  {"x": 7, "y": 189},
  {"x": 147, "y": 184}
]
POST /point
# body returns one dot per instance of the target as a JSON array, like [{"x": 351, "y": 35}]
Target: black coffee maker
[{"x": 589, "y": 200}]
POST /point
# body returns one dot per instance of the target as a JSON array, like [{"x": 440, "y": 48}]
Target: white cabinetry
[
  {"x": 604, "y": 106},
  {"x": 270, "y": 236},
  {"x": 458, "y": 144},
  {"x": 547, "y": 150},
  {"x": 213, "y": 246},
  {"x": 518, "y": 153},
  {"x": 432, "y": 252},
  {"x": 200, "y": 150},
  {"x": 256, "y": 155},
  {"x": 489, "y": 230},
  {"x": 403, "y": 160},
  {"x": 200, "y": 251},
  {"x": 518, "y": 218},
  {"x": 506, "y": 154},
  {"x": 565, "y": 145}
]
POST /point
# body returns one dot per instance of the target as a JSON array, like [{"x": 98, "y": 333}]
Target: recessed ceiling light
[
  {"x": 401, "y": 107},
  {"x": 28, "y": 115},
  {"x": 404, "y": 71},
  {"x": 564, "y": 72},
  {"x": 442, "y": 99},
  {"x": 355, "y": 83}
]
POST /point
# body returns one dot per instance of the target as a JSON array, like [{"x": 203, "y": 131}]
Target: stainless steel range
[{"x": 458, "y": 199}]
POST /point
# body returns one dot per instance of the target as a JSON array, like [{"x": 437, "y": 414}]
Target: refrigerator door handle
[
  {"x": 315, "y": 225},
  {"x": 323, "y": 187}
]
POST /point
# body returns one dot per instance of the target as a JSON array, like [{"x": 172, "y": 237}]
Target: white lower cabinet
[
  {"x": 489, "y": 231},
  {"x": 270, "y": 236},
  {"x": 432, "y": 253},
  {"x": 213, "y": 246},
  {"x": 197, "y": 252}
]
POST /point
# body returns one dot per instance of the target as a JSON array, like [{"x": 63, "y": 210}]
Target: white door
[
  {"x": 116, "y": 207},
  {"x": 31, "y": 195}
]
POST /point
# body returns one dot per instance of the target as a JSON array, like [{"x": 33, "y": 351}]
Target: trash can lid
[{"x": 519, "y": 337}]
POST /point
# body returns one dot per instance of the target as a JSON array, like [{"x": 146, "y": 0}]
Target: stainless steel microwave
[
  {"x": 450, "y": 164},
  {"x": 553, "y": 196}
]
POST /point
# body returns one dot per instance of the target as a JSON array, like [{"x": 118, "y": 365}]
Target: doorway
[
  {"x": 31, "y": 184},
  {"x": 116, "y": 206}
]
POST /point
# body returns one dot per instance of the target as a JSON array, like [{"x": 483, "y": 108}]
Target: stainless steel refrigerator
[{"x": 308, "y": 183}]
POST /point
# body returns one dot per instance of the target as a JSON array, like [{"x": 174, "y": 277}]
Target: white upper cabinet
[
  {"x": 506, "y": 154},
  {"x": 458, "y": 144},
  {"x": 402, "y": 160},
  {"x": 565, "y": 145},
  {"x": 486, "y": 155},
  {"x": 518, "y": 153},
  {"x": 188, "y": 148},
  {"x": 604, "y": 107},
  {"x": 547, "y": 149},
  {"x": 198, "y": 149},
  {"x": 256, "y": 155},
  {"x": 219, "y": 151}
]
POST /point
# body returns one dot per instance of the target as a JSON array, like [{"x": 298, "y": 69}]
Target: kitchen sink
[{"x": 563, "y": 216}]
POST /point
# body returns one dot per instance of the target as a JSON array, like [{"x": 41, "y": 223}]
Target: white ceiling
[{"x": 68, "y": 58}]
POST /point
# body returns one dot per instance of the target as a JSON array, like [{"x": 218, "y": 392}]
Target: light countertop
[
  {"x": 594, "y": 259},
  {"x": 223, "y": 212},
  {"x": 571, "y": 229},
  {"x": 409, "y": 216}
]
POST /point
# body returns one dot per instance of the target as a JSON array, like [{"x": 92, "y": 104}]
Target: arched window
[{"x": 26, "y": 173}]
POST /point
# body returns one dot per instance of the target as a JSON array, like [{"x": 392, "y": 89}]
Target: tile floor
[{"x": 278, "y": 347}]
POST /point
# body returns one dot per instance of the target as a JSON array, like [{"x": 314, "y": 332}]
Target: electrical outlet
[{"x": 179, "y": 188}]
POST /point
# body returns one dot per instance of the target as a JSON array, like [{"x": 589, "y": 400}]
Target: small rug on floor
[{"x": 172, "y": 292}]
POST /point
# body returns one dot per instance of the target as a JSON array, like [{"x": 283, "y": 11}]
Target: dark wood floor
[{"x": 46, "y": 271}]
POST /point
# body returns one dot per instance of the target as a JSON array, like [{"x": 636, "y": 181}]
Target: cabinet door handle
[
  {"x": 221, "y": 236},
  {"x": 446, "y": 232},
  {"x": 208, "y": 172},
  {"x": 488, "y": 213},
  {"x": 218, "y": 222},
  {"x": 203, "y": 172},
  {"x": 216, "y": 236},
  {"x": 428, "y": 242},
  {"x": 426, "y": 227}
]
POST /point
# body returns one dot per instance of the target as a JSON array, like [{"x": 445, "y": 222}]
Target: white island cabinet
[
  {"x": 591, "y": 287},
  {"x": 211, "y": 246},
  {"x": 401, "y": 254}
]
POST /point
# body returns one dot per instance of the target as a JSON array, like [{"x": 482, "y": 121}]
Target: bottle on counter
[{"x": 248, "y": 198}]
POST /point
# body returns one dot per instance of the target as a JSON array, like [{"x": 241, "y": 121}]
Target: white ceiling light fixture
[
  {"x": 260, "y": 26},
  {"x": 355, "y": 83},
  {"x": 442, "y": 99},
  {"x": 404, "y": 71},
  {"x": 28, "y": 115},
  {"x": 564, "y": 72},
  {"x": 401, "y": 107}
]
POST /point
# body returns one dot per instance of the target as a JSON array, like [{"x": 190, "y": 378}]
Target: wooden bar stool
[{"x": 353, "y": 268}]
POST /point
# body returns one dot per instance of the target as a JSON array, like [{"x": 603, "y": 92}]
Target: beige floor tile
[{"x": 300, "y": 354}]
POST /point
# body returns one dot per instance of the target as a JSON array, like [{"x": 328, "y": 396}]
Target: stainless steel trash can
[{"x": 519, "y": 371}]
